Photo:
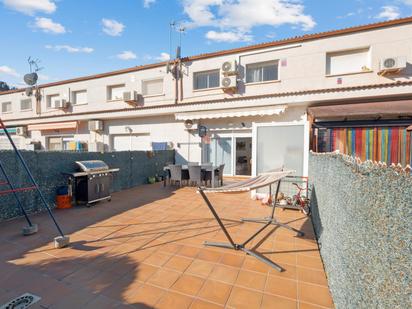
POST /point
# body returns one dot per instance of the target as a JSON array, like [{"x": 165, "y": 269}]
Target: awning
[
  {"x": 52, "y": 126},
  {"x": 363, "y": 110},
  {"x": 230, "y": 113},
  {"x": 10, "y": 130}
]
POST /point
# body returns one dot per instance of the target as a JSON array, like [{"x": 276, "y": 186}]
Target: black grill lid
[{"x": 92, "y": 165}]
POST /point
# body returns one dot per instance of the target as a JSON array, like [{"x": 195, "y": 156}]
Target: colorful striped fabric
[{"x": 390, "y": 145}]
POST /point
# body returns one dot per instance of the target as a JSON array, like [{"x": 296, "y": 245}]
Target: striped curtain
[{"x": 390, "y": 145}]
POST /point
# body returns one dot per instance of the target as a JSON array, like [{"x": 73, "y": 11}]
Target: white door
[{"x": 127, "y": 142}]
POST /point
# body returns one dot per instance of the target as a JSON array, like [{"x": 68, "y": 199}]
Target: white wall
[{"x": 304, "y": 69}]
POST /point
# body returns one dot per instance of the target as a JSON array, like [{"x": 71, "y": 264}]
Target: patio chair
[
  {"x": 207, "y": 175},
  {"x": 219, "y": 174},
  {"x": 166, "y": 174},
  {"x": 195, "y": 175},
  {"x": 192, "y": 163},
  {"x": 176, "y": 174}
]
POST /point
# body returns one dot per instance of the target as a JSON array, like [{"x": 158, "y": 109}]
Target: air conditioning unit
[
  {"x": 66, "y": 104},
  {"x": 58, "y": 104},
  {"x": 62, "y": 104},
  {"x": 131, "y": 96},
  {"x": 393, "y": 63},
  {"x": 96, "y": 147},
  {"x": 95, "y": 125},
  {"x": 21, "y": 131},
  {"x": 229, "y": 67},
  {"x": 229, "y": 82}
]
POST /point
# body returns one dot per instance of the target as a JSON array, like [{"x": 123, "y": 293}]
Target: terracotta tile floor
[{"x": 145, "y": 249}]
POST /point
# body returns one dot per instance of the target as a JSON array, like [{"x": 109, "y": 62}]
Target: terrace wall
[
  {"x": 47, "y": 168},
  {"x": 362, "y": 217}
]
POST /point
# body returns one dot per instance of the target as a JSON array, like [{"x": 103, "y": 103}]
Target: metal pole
[
  {"x": 15, "y": 195},
  {"x": 276, "y": 198},
  {"x": 257, "y": 233},
  {"x": 31, "y": 177},
  {"x": 217, "y": 217}
]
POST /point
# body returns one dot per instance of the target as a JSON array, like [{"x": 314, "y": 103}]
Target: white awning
[
  {"x": 52, "y": 126},
  {"x": 230, "y": 113}
]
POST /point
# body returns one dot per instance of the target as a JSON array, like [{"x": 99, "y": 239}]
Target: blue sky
[{"x": 80, "y": 37}]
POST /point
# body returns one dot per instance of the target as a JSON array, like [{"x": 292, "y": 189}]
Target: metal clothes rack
[{"x": 60, "y": 241}]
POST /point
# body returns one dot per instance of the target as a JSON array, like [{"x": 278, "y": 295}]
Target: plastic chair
[
  {"x": 176, "y": 174},
  {"x": 195, "y": 175}
]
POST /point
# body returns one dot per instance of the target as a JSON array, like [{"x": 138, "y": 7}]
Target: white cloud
[
  {"x": 389, "y": 12},
  {"x": 70, "y": 49},
  {"x": 48, "y": 25},
  {"x": 30, "y": 7},
  {"x": 228, "y": 36},
  {"x": 240, "y": 17},
  {"x": 112, "y": 27},
  {"x": 148, "y": 3},
  {"x": 407, "y": 2},
  {"x": 271, "y": 35},
  {"x": 126, "y": 55},
  {"x": 163, "y": 57},
  {"x": 5, "y": 70}
]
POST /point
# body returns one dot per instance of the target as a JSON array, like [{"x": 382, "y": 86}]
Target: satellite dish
[
  {"x": 188, "y": 124},
  {"x": 30, "y": 78},
  {"x": 29, "y": 91}
]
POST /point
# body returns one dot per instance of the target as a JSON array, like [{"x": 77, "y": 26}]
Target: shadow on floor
[{"x": 31, "y": 264}]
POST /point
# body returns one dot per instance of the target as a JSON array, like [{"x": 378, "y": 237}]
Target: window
[
  {"x": 51, "y": 100},
  {"x": 346, "y": 62},
  {"x": 204, "y": 80},
  {"x": 115, "y": 92},
  {"x": 25, "y": 104},
  {"x": 152, "y": 87},
  {"x": 79, "y": 97},
  {"x": 60, "y": 143},
  {"x": 6, "y": 107},
  {"x": 262, "y": 72}
]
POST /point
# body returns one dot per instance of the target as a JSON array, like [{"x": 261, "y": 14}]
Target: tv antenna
[
  {"x": 34, "y": 65},
  {"x": 172, "y": 27},
  {"x": 31, "y": 78},
  {"x": 181, "y": 30}
]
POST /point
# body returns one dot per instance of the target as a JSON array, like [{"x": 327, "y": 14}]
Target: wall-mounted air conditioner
[
  {"x": 229, "y": 82},
  {"x": 21, "y": 131},
  {"x": 58, "y": 104},
  {"x": 393, "y": 63},
  {"x": 95, "y": 125},
  {"x": 96, "y": 147},
  {"x": 229, "y": 67},
  {"x": 62, "y": 104},
  {"x": 131, "y": 96}
]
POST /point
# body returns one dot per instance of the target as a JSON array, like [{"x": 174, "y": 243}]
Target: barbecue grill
[{"x": 92, "y": 181}]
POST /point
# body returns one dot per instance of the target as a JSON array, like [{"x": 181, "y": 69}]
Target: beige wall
[{"x": 305, "y": 70}]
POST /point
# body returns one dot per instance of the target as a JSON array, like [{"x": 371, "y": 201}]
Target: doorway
[
  {"x": 233, "y": 149},
  {"x": 243, "y": 156}
]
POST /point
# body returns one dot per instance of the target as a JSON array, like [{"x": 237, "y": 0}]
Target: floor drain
[{"x": 21, "y": 302}]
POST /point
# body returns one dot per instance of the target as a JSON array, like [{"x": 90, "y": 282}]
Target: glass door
[
  {"x": 243, "y": 156},
  {"x": 219, "y": 151}
]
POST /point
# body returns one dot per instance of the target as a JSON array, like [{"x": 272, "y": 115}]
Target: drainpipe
[
  {"x": 181, "y": 80},
  {"x": 175, "y": 74}
]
